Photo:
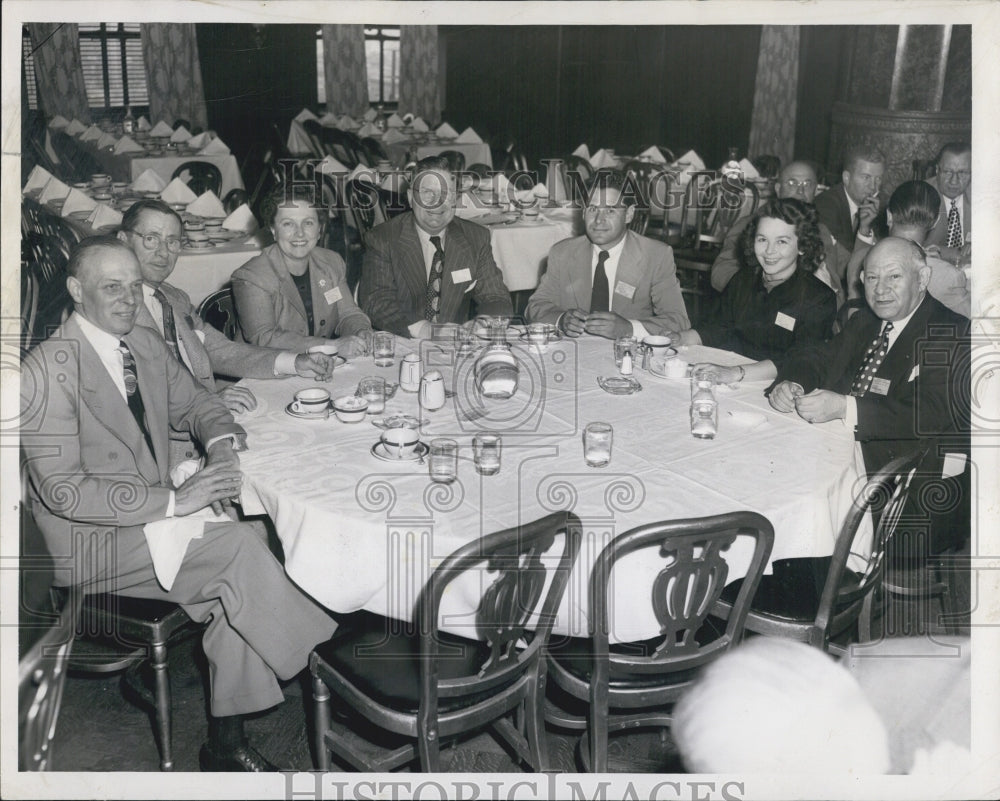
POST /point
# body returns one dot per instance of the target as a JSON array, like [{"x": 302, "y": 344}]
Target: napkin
[
  {"x": 652, "y": 154},
  {"x": 418, "y": 124},
  {"x": 469, "y": 137},
  {"x": 177, "y": 192},
  {"x": 603, "y": 159},
  {"x": 54, "y": 190},
  {"x": 58, "y": 121},
  {"x": 445, "y": 131},
  {"x": 215, "y": 148},
  {"x": 93, "y": 132},
  {"x": 303, "y": 115},
  {"x": 583, "y": 152},
  {"x": 161, "y": 129},
  {"x": 363, "y": 173},
  {"x": 530, "y": 195},
  {"x": 693, "y": 159},
  {"x": 347, "y": 122},
  {"x": 368, "y": 130},
  {"x": 207, "y": 205},
  {"x": 182, "y": 134},
  {"x": 77, "y": 201},
  {"x": 75, "y": 127},
  {"x": 200, "y": 140},
  {"x": 37, "y": 178},
  {"x": 142, "y": 124},
  {"x": 107, "y": 140},
  {"x": 371, "y": 114},
  {"x": 746, "y": 420},
  {"x": 330, "y": 165},
  {"x": 128, "y": 145},
  {"x": 328, "y": 119},
  {"x": 749, "y": 171},
  {"x": 149, "y": 181},
  {"x": 241, "y": 219},
  {"x": 394, "y": 121},
  {"x": 393, "y": 135},
  {"x": 103, "y": 215}
]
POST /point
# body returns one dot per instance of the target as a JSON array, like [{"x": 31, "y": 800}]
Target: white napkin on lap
[
  {"x": 107, "y": 140},
  {"x": 393, "y": 135},
  {"x": 103, "y": 215},
  {"x": 330, "y": 165},
  {"x": 200, "y": 140},
  {"x": 394, "y": 121},
  {"x": 368, "y": 130},
  {"x": 303, "y": 115},
  {"x": 418, "y": 124},
  {"x": 53, "y": 190},
  {"x": 143, "y": 124},
  {"x": 215, "y": 148},
  {"x": 177, "y": 192},
  {"x": 92, "y": 133},
  {"x": 653, "y": 154},
  {"x": 469, "y": 137},
  {"x": 445, "y": 131},
  {"x": 37, "y": 178},
  {"x": 583, "y": 152},
  {"x": 161, "y": 129},
  {"x": 371, "y": 114},
  {"x": 241, "y": 219},
  {"x": 77, "y": 201},
  {"x": 182, "y": 134},
  {"x": 149, "y": 181},
  {"x": 207, "y": 204},
  {"x": 58, "y": 121},
  {"x": 749, "y": 171},
  {"x": 75, "y": 127},
  {"x": 328, "y": 119},
  {"x": 128, "y": 145}
]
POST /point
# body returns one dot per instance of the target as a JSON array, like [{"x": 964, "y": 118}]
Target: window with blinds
[
  {"x": 28, "y": 68},
  {"x": 113, "y": 70},
  {"x": 382, "y": 65}
]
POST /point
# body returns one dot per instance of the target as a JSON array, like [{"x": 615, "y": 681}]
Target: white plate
[
  {"x": 303, "y": 416},
  {"x": 379, "y": 452}
]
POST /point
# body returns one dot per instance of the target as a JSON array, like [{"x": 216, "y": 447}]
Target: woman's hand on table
[
  {"x": 317, "y": 365},
  {"x": 238, "y": 399},
  {"x": 783, "y": 396}
]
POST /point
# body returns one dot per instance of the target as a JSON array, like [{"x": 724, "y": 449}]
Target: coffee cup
[
  {"x": 311, "y": 401},
  {"x": 538, "y": 333},
  {"x": 658, "y": 344},
  {"x": 400, "y": 442}
]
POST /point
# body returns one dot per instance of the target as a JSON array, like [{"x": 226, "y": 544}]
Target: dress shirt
[{"x": 611, "y": 270}]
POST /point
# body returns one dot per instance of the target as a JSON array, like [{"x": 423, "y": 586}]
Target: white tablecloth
[
  {"x": 200, "y": 273},
  {"x": 362, "y": 533}
]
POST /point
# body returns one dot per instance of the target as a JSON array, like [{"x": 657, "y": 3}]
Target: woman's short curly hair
[
  {"x": 803, "y": 217},
  {"x": 282, "y": 195}
]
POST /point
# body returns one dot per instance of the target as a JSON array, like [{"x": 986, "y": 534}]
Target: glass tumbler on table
[
  {"x": 597, "y": 438},
  {"x": 486, "y": 450},
  {"x": 443, "y": 460},
  {"x": 384, "y": 348},
  {"x": 372, "y": 389}
]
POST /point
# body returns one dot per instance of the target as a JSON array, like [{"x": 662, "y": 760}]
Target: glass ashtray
[{"x": 619, "y": 385}]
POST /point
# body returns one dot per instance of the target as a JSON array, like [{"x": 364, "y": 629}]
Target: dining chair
[
  {"x": 47, "y": 241},
  {"x": 373, "y": 151},
  {"x": 513, "y": 160},
  {"x": 364, "y": 203},
  {"x": 818, "y": 600},
  {"x": 426, "y": 686},
  {"x": 219, "y": 311},
  {"x": 342, "y": 145},
  {"x": 581, "y": 166},
  {"x": 200, "y": 176},
  {"x": 234, "y": 198},
  {"x": 314, "y": 131},
  {"x": 633, "y": 685}
]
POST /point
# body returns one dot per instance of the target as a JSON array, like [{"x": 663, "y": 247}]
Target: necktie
[
  {"x": 600, "y": 295},
  {"x": 132, "y": 393},
  {"x": 169, "y": 327},
  {"x": 432, "y": 301},
  {"x": 873, "y": 358},
  {"x": 954, "y": 225}
]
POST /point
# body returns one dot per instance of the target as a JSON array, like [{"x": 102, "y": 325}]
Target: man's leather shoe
[{"x": 243, "y": 759}]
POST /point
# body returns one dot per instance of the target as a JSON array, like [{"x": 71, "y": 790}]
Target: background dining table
[{"x": 362, "y": 533}]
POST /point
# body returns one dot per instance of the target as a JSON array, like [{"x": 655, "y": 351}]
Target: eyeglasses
[
  {"x": 152, "y": 241},
  {"x": 952, "y": 174},
  {"x": 792, "y": 183}
]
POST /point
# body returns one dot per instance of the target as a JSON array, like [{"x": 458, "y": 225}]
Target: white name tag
[
  {"x": 914, "y": 373},
  {"x": 785, "y": 321},
  {"x": 880, "y": 386},
  {"x": 461, "y": 276},
  {"x": 954, "y": 465},
  {"x": 625, "y": 290},
  {"x": 332, "y": 295}
]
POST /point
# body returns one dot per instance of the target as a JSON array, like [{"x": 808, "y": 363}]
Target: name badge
[
  {"x": 332, "y": 295},
  {"x": 880, "y": 386},
  {"x": 785, "y": 321},
  {"x": 461, "y": 276},
  {"x": 625, "y": 290}
]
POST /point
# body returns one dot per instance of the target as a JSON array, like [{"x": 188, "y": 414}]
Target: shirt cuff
[
  {"x": 868, "y": 240},
  {"x": 851, "y": 413},
  {"x": 170, "y": 504},
  {"x": 639, "y": 330},
  {"x": 284, "y": 364},
  {"x": 239, "y": 442}
]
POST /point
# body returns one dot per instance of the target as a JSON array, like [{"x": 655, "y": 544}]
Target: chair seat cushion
[
  {"x": 793, "y": 591},
  {"x": 151, "y": 610}
]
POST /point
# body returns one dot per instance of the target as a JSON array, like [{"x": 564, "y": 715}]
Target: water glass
[
  {"x": 623, "y": 345},
  {"x": 486, "y": 449},
  {"x": 372, "y": 389},
  {"x": 443, "y": 460},
  {"x": 384, "y": 348},
  {"x": 597, "y": 439}
]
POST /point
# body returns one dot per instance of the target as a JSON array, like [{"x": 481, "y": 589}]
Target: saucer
[
  {"x": 419, "y": 452},
  {"x": 302, "y": 416},
  {"x": 206, "y": 245}
]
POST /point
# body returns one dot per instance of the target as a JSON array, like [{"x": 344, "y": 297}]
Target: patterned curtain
[
  {"x": 173, "y": 73},
  {"x": 772, "y": 124},
  {"x": 418, "y": 71},
  {"x": 345, "y": 69},
  {"x": 58, "y": 74}
]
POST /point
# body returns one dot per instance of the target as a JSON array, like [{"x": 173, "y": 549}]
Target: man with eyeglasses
[
  {"x": 796, "y": 180},
  {"x": 153, "y": 231},
  {"x": 952, "y": 231}
]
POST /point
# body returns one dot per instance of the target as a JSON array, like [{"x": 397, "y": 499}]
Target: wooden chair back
[
  {"x": 219, "y": 311},
  {"x": 200, "y": 176}
]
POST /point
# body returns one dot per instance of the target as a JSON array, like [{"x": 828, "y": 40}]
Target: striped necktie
[
  {"x": 169, "y": 326},
  {"x": 872, "y": 361},
  {"x": 132, "y": 393}
]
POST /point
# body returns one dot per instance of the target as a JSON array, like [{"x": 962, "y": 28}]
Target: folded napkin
[
  {"x": 149, "y": 181},
  {"x": 330, "y": 165},
  {"x": 214, "y": 148},
  {"x": 328, "y": 119},
  {"x": 393, "y": 135},
  {"x": 107, "y": 140},
  {"x": 200, "y": 140},
  {"x": 363, "y": 173},
  {"x": 347, "y": 122},
  {"x": 103, "y": 216},
  {"x": 531, "y": 195},
  {"x": 368, "y": 129},
  {"x": 182, "y": 134},
  {"x": 53, "y": 190},
  {"x": 75, "y": 127},
  {"x": 603, "y": 159},
  {"x": 371, "y": 114},
  {"x": 418, "y": 124},
  {"x": 77, "y": 201},
  {"x": 241, "y": 219},
  {"x": 128, "y": 145},
  {"x": 58, "y": 121},
  {"x": 652, "y": 154},
  {"x": 177, "y": 192},
  {"x": 161, "y": 129},
  {"x": 693, "y": 159},
  {"x": 143, "y": 124},
  {"x": 469, "y": 137},
  {"x": 92, "y": 133},
  {"x": 37, "y": 178},
  {"x": 749, "y": 171},
  {"x": 303, "y": 115},
  {"x": 583, "y": 152},
  {"x": 394, "y": 121},
  {"x": 445, "y": 131},
  {"x": 207, "y": 204}
]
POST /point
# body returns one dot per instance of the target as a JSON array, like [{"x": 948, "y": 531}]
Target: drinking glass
[
  {"x": 443, "y": 460},
  {"x": 486, "y": 449},
  {"x": 384, "y": 348},
  {"x": 372, "y": 389},
  {"x": 597, "y": 439},
  {"x": 623, "y": 344}
]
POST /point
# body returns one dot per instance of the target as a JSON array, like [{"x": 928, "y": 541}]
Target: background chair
[
  {"x": 364, "y": 203},
  {"x": 219, "y": 311},
  {"x": 425, "y": 685},
  {"x": 342, "y": 145},
  {"x": 201, "y": 176},
  {"x": 632, "y": 685},
  {"x": 234, "y": 198},
  {"x": 46, "y": 242},
  {"x": 373, "y": 151}
]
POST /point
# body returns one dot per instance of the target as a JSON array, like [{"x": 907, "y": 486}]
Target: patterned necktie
[
  {"x": 169, "y": 327},
  {"x": 954, "y": 225},
  {"x": 600, "y": 295},
  {"x": 869, "y": 366},
  {"x": 432, "y": 301},
  {"x": 132, "y": 393}
]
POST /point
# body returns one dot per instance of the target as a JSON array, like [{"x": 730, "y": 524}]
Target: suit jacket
[
  {"x": 939, "y": 233},
  {"x": 270, "y": 309},
  {"x": 646, "y": 264},
  {"x": 91, "y": 470},
  {"x": 394, "y": 277},
  {"x": 835, "y": 214}
]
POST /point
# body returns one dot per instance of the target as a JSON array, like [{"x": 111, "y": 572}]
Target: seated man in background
[
  {"x": 97, "y": 400},
  {"x": 427, "y": 265},
  {"x": 610, "y": 282},
  {"x": 855, "y": 207},
  {"x": 952, "y": 231}
]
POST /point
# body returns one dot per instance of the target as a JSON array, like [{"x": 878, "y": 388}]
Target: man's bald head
[
  {"x": 895, "y": 278},
  {"x": 797, "y": 180}
]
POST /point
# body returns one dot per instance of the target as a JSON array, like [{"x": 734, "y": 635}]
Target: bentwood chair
[
  {"x": 364, "y": 203},
  {"x": 373, "y": 151},
  {"x": 200, "y": 176},
  {"x": 219, "y": 311},
  {"x": 633, "y": 685},
  {"x": 342, "y": 145},
  {"x": 46, "y": 243},
  {"x": 818, "y": 600},
  {"x": 426, "y": 686}
]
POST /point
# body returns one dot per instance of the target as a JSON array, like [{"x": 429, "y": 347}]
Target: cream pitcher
[{"x": 432, "y": 390}]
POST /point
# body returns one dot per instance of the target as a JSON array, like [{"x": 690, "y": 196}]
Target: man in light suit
[
  {"x": 427, "y": 265},
  {"x": 97, "y": 398},
  {"x": 953, "y": 181},
  {"x": 610, "y": 282},
  {"x": 856, "y": 206},
  {"x": 153, "y": 230}
]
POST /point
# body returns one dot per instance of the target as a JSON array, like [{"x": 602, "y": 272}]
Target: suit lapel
[
  {"x": 154, "y": 400},
  {"x": 288, "y": 289},
  {"x": 629, "y": 272},
  {"x": 414, "y": 271},
  {"x": 898, "y": 364},
  {"x": 457, "y": 253},
  {"x": 582, "y": 284}
]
